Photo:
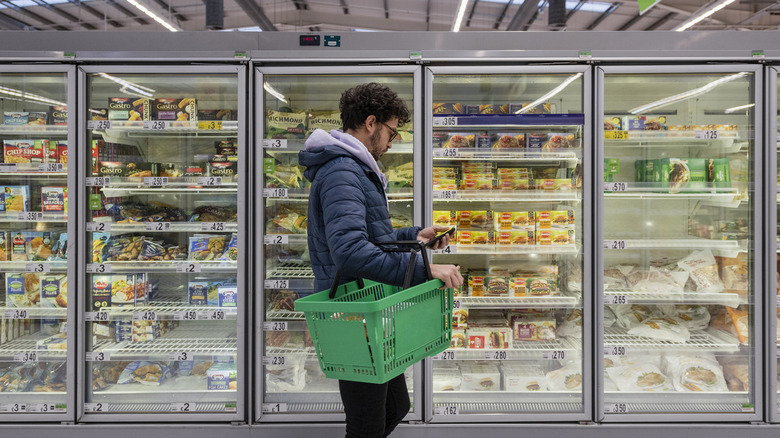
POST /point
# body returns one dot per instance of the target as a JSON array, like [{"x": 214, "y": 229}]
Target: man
[{"x": 348, "y": 210}]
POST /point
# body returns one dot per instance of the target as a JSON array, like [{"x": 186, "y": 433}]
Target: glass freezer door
[
  {"x": 293, "y": 106},
  {"x": 35, "y": 278},
  {"x": 162, "y": 165},
  {"x": 508, "y": 153},
  {"x": 679, "y": 218},
  {"x": 773, "y": 263}
]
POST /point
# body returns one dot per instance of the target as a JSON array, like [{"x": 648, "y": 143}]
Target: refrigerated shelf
[
  {"x": 659, "y": 402},
  {"x": 33, "y": 217},
  {"x": 514, "y": 121},
  {"x": 516, "y": 249},
  {"x": 34, "y": 129},
  {"x": 295, "y": 146},
  {"x": 727, "y": 197},
  {"x": 166, "y": 311},
  {"x": 641, "y": 139},
  {"x": 681, "y": 243},
  {"x": 521, "y": 155},
  {"x": 29, "y": 344},
  {"x": 284, "y": 315},
  {"x": 59, "y": 266},
  {"x": 621, "y": 296},
  {"x": 520, "y": 350},
  {"x": 302, "y": 195},
  {"x": 151, "y": 127},
  {"x": 700, "y": 341},
  {"x": 557, "y": 302},
  {"x": 54, "y": 170},
  {"x": 167, "y": 266},
  {"x": 197, "y": 343},
  {"x": 502, "y": 402},
  {"x": 134, "y": 227},
  {"x": 506, "y": 196},
  {"x": 32, "y": 313}
]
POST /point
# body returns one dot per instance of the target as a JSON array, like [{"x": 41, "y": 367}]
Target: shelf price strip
[
  {"x": 616, "y": 187},
  {"x": 213, "y": 315},
  {"x": 27, "y": 356},
  {"x": 16, "y": 314},
  {"x": 274, "y": 360},
  {"x": 101, "y": 316},
  {"x": 274, "y": 193},
  {"x": 98, "y": 181},
  {"x": 7, "y": 168},
  {"x": 450, "y": 249},
  {"x": 212, "y": 125},
  {"x": 445, "y": 194},
  {"x": 445, "y": 121},
  {"x": 496, "y": 355},
  {"x": 95, "y": 407},
  {"x": 99, "y": 125},
  {"x": 46, "y": 407},
  {"x": 94, "y": 356},
  {"x": 149, "y": 315},
  {"x": 706, "y": 135},
  {"x": 446, "y": 410},
  {"x": 276, "y": 284},
  {"x": 156, "y": 181},
  {"x": 188, "y": 268},
  {"x": 275, "y": 326},
  {"x": 274, "y": 143},
  {"x": 615, "y": 299},
  {"x": 13, "y": 407},
  {"x": 616, "y": 135},
  {"x": 37, "y": 267},
  {"x": 182, "y": 407},
  {"x": 51, "y": 167},
  {"x": 445, "y": 153},
  {"x": 617, "y": 350},
  {"x": 30, "y": 216},
  {"x": 210, "y": 181},
  {"x": 616, "y": 408},
  {"x": 615, "y": 244},
  {"x": 276, "y": 239},
  {"x": 187, "y": 315},
  {"x": 180, "y": 356},
  {"x": 554, "y": 355},
  {"x": 98, "y": 268},
  {"x": 212, "y": 226},
  {"x": 98, "y": 226},
  {"x": 445, "y": 355},
  {"x": 269, "y": 408},
  {"x": 155, "y": 125}
]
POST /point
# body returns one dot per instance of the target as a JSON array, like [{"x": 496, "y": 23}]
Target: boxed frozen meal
[
  {"x": 221, "y": 377},
  {"x": 541, "y": 108},
  {"x": 490, "y": 336},
  {"x": 18, "y": 246},
  {"x": 446, "y": 380},
  {"x": 483, "y": 238},
  {"x": 58, "y": 115},
  {"x": 181, "y": 110},
  {"x": 141, "y": 169},
  {"x": 613, "y": 124},
  {"x": 515, "y": 220},
  {"x": 5, "y": 246},
  {"x": 37, "y": 118},
  {"x": 213, "y": 114},
  {"x": 285, "y": 124},
  {"x": 487, "y": 109},
  {"x": 128, "y": 108},
  {"x": 325, "y": 120},
  {"x": 17, "y": 198},
  {"x": 719, "y": 172},
  {"x": 24, "y": 151},
  {"x": 634, "y": 123},
  {"x": 17, "y": 118},
  {"x": 227, "y": 170},
  {"x": 460, "y": 318},
  {"x": 478, "y": 184},
  {"x": 54, "y": 291},
  {"x": 533, "y": 328},
  {"x": 459, "y": 338},
  {"x": 448, "y": 108},
  {"x": 476, "y": 283},
  {"x": 562, "y": 140},
  {"x": 14, "y": 290},
  {"x": 480, "y": 376},
  {"x": 458, "y": 140},
  {"x": 496, "y": 286},
  {"x": 444, "y": 218},
  {"x": 507, "y": 140},
  {"x": 227, "y": 296},
  {"x": 54, "y": 199},
  {"x": 518, "y": 286},
  {"x": 513, "y": 183},
  {"x": 112, "y": 168},
  {"x": 522, "y": 378},
  {"x": 515, "y": 237},
  {"x": 204, "y": 248},
  {"x": 540, "y": 286},
  {"x": 476, "y": 219},
  {"x": 558, "y": 219},
  {"x": 54, "y": 342}
]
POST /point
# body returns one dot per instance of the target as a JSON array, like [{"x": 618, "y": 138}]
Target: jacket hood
[{"x": 322, "y": 147}]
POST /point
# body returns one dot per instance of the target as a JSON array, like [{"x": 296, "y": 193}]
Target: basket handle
[{"x": 412, "y": 246}]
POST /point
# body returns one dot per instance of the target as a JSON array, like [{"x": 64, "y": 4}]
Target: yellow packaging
[
  {"x": 517, "y": 287},
  {"x": 514, "y": 220},
  {"x": 478, "y": 184},
  {"x": 444, "y": 172},
  {"x": 520, "y": 172},
  {"x": 464, "y": 237},
  {"x": 515, "y": 238},
  {"x": 544, "y": 237},
  {"x": 514, "y": 183},
  {"x": 444, "y": 218},
  {"x": 483, "y": 238},
  {"x": 477, "y": 283},
  {"x": 547, "y": 220},
  {"x": 474, "y": 176},
  {"x": 445, "y": 184},
  {"x": 562, "y": 237},
  {"x": 479, "y": 219}
]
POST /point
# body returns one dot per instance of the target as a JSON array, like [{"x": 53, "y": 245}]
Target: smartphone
[{"x": 436, "y": 239}]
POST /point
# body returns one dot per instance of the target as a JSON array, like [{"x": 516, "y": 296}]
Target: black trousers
[{"x": 374, "y": 410}]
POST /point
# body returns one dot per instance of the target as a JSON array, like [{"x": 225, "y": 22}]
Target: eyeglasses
[{"x": 393, "y": 132}]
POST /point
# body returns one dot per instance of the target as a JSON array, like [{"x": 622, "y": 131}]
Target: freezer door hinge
[
  {"x": 67, "y": 423},
  {"x": 238, "y": 423},
  {"x": 587, "y": 423},
  {"x": 416, "y": 422}
]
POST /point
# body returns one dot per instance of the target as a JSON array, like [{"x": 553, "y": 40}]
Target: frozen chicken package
[
  {"x": 695, "y": 374},
  {"x": 567, "y": 378},
  {"x": 703, "y": 271},
  {"x": 662, "y": 329},
  {"x": 646, "y": 377}
]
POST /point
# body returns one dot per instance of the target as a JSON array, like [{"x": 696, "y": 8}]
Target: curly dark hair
[{"x": 359, "y": 102}]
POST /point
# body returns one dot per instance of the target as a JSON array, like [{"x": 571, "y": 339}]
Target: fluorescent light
[
  {"x": 687, "y": 95},
  {"x": 547, "y": 96},
  {"x": 129, "y": 87},
  {"x": 461, "y": 13},
  {"x": 272, "y": 91},
  {"x": 153, "y": 16},
  {"x": 23, "y": 96},
  {"x": 717, "y": 6},
  {"x": 738, "y": 108}
]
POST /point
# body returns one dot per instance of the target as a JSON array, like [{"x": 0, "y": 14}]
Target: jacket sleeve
[
  {"x": 344, "y": 213},
  {"x": 406, "y": 233}
]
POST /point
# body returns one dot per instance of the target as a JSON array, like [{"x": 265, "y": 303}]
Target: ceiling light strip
[
  {"x": 717, "y": 6},
  {"x": 153, "y": 16},
  {"x": 686, "y": 95},
  {"x": 461, "y": 13}
]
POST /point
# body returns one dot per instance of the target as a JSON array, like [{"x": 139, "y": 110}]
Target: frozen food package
[
  {"x": 325, "y": 120},
  {"x": 615, "y": 278},
  {"x": 288, "y": 377},
  {"x": 446, "y": 380},
  {"x": 572, "y": 324},
  {"x": 285, "y": 123},
  {"x": 691, "y": 316},
  {"x": 656, "y": 280},
  {"x": 566, "y": 378},
  {"x": 533, "y": 328},
  {"x": 609, "y": 317},
  {"x": 741, "y": 322},
  {"x": 507, "y": 140},
  {"x": 629, "y": 315},
  {"x": 518, "y": 377},
  {"x": 662, "y": 329},
  {"x": 458, "y": 338},
  {"x": 480, "y": 376},
  {"x": 695, "y": 374},
  {"x": 459, "y": 140},
  {"x": 703, "y": 270},
  {"x": 448, "y": 108},
  {"x": 146, "y": 373},
  {"x": 645, "y": 377},
  {"x": 736, "y": 371}
]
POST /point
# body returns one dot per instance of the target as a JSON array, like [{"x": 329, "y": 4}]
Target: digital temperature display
[{"x": 309, "y": 40}]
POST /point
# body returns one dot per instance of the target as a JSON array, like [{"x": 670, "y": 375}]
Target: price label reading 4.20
[
  {"x": 615, "y": 244},
  {"x": 149, "y": 315},
  {"x": 97, "y": 316}
]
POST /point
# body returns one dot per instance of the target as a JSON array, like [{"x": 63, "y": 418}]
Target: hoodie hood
[{"x": 322, "y": 147}]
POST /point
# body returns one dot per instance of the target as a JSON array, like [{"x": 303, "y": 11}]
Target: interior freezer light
[
  {"x": 738, "y": 108},
  {"x": 547, "y": 96},
  {"x": 459, "y": 17},
  {"x": 695, "y": 19},
  {"x": 30, "y": 97},
  {"x": 272, "y": 91},
  {"x": 153, "y": 16},
  {"x": 686, "y": 95},
  {"x": 129, "y": 87}
]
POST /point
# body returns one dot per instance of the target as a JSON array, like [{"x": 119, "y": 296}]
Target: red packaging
[{"x": 62, "y": 153}]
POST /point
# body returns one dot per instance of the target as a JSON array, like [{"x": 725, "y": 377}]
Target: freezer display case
[
  {"x": 772, "y": 266},
  {"x": 679, "y": 216},
  {"x": 163, "y": 158},
  {"x": 35, "y": 276},
  {"x": 509, "y": 149},
  {"x": 291, "y": 105}
]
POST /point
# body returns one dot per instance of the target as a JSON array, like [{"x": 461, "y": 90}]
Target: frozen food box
[
  {"x": 562, "y": 140},
  {"x": 24, "y": 151},
  {"x": 15, "y": 118},
  {"x": 685, "y": 173},
  {"x": 444, "y": 218},
  {"x": 221, "y": 377},
  {"x": 547, "y": 220},
  {"x": 226, "y": 170},
  {"x": 634, "y": 123},
  {"x": 523, "y": 237},
  {"x": 460, "y": 318},
  {"x": 490, "y": 336},
  {"x": 480, "y": 376},
  {"x": 446, "y": 379},
  {"x": 458, "y": 140},
  {"x": 14, "y": 290},
  {"x": 128, "y": 108},
  {"x": 496, "y": 286},
  {"x": 16, "y": 198},
  {"x": 476, "y": 283},
  {"x": 517, "y": 286},
  {"x": 522, "y": 378},
  {"x": 181, "y": 110},
  {"x": 483, "y": 238},
  {"x": 5, "y": 246},
  {"x": 18, "y": 246},
  {"x": 53, "y": 199},
  {"x": 285, "y": 123},
  {"x": 37, "y": 118},
  {"x": 54, "y": 291},
  {"x": 719, "y": 172},
  {"x": 227, "y": 296},
  {"x": 478, "y": 184},
  {"x": 213, "y": 114},
  {"x": 536, "y": 141},
  {"x": 448, "y": 108},
  {"x": 541, "y": 108},
  {"x": 475, "y": 219},
  {"x": 511, "y": 183},
  {"x": 613, "y": 123},
  {"x": 112, "y": 169},
  {"x": 540, "y": 286},
  {"x": 507, "y": 140},
  {"x": 58, "y": 115},
  {"x": 530, "y": 328},
  {"x": 487, "y": 109}
]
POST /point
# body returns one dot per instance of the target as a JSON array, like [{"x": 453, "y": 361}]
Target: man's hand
[
  {"x": 449, "y": 274},
  {"x": 429, "y": 233}
]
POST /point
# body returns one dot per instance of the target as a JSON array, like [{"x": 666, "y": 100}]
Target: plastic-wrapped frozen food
[
  {"x": 520, "y": 377},
  {"x": 741, "y": 322},
  {"x": 695, "y": 374},
  {"x": 447, "y": 380},
  {"x": 662, "y": 329},
  {"x": 614, "y": 279},
  {"x": 736, "y": 371},
  {"x": 629, "y": 315},
  {"x": 609, "y": 317},
  {"x": 566, "y": 378},
  {"x": 703, "y": 270},
  {"x": 288, "y": 377},
  {"x": 574, "y": 269},
  {"x": 572, "y": 324},
  {"x": 691, "y": 316},
  {"x": 645, "y": 377},
  {"x": 656, "y": 280},
  {"x": 146, "y": 373}
]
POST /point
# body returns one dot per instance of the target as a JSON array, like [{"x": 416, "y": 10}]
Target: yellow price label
[
  {"x": 616, "y": 135},
  {"x": 213, "y": 125}
]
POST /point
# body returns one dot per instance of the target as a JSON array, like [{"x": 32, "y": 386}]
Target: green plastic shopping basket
[{"x": 366, "y": 331}]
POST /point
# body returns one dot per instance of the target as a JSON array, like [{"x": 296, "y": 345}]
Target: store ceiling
[{"x": 378, "y": 15}]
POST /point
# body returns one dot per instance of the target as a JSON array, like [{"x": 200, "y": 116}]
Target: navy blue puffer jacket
[{"x": 347, "y": 211}]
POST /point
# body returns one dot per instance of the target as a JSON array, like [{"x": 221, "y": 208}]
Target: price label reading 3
[
  {"x": 275, "y": 143},
  {"x": 37, "y": 267},
  {"x": 98, "y": 268},
  {"x": 179, "y": 356},
  {"x": 93, "y": 356},
  {"x": 212, "y": 125}
]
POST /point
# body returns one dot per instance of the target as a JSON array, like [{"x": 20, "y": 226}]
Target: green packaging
[
  {"x": 661, "y": 168},
  {"x": 719, "y": 172}
]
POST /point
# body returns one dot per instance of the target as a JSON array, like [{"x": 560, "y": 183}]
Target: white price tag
[
  {"x": 180, "y": 356},
  {"x": 274, "y": 193},
  {"x": 615, "y": 187},
  {"x": 16, "y": 314},
  {"x": 445, "y": 153},
  {"x": 37, "y": 267},
  {"x": 706, "y": 135},
  {"x": 13, "y": 407},
  {"x": 210, "y": 181},
  {"x": 42, "y": 407},
  {"x": 276, "y": 239},
  {"x": 449, "y": 249},
  {"x": 446, "y": 410},
  {"x": 276, "y": 284},
  {"x": 98, "y": 181},
  {"x": 157, "y": 226},
  {"x": 445, "y": 121},
  {"x": 457, "y": 304},
  {"x": 554, "y": 355},
  {"x": 101, "y": 316},
  {"x": 616, "y": 350},
  {"x": 274, "y": 407},
  {"x": 93, "y": 356},
  {"x": 99, "y": 226},
  {"x": 156, "y": 181},
  {"x": 27, "y": 356},
  {"x": 275, "y": 143},
  {"x": 212, "y": 226},
  {"x": 155, "y": 125},
  {"x": 99, "y": 125},
  {"x": 274, "y": 360},
  {"x": 616, "y": 408},
  {"x": 615, "y": 244},
  {"x": 149, "y": 315},
  {"x": 182, "y": 407},
  {"x": 275, "y": 326},
  {"x": 615, "y": 299},
  {"x": 7, "y": 167},
  {"x": 445, "y": 355},
  {"x": 777, "y": 301},
  {"x": 98, "y": 268},
  {"x": 95, "y": 407},
  {"x": 188, "y": 268},
  {"x": 215, "y": 315},
  {"x": 187, "y": 315},
  {"x": 496, "y": 355},
  {"x": 28, "y": 216},
  {"x": 51, "y": 167},
  {"x": 445, "y": 194}
]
